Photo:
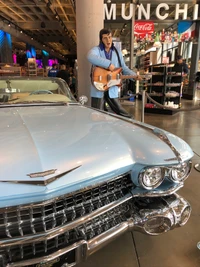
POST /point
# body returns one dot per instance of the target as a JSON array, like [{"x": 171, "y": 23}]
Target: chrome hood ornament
[{"x": 41, "y": 174}]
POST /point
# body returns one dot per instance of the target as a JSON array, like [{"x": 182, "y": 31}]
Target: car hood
[{"x": 78, "y": 143}]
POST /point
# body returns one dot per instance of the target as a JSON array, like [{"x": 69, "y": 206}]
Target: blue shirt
[{"x": 107, "y": 54}]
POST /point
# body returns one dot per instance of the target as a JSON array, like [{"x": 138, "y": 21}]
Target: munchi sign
[{"x": 144, "y": 12}]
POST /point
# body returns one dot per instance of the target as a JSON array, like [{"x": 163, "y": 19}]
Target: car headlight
[
  {"x": 151, "y": 177},
  {"x": 180, "y": 172}
]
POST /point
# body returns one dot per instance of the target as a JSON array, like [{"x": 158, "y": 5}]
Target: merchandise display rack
[{"x": 165, "y": 87}]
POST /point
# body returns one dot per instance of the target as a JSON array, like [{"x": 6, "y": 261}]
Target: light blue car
[{"x": 73, "y": 178}]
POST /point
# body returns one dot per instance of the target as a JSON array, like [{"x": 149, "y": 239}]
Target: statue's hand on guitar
[{"x": 111, "y": 67}]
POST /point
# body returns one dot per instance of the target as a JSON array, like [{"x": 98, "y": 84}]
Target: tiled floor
[{"x": 177, "y": 248}]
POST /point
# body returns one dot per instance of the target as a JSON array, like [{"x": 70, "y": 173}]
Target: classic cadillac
[{"x": 73, "y": 178}]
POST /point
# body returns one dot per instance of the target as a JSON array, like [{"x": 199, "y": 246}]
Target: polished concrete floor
[{"x": 177, "y": 248}]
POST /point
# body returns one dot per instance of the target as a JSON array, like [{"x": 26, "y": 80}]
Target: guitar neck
[{"x": 122, "y": 77}]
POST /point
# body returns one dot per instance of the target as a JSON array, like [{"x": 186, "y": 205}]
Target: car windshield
[{"x": 34, "y": 90}]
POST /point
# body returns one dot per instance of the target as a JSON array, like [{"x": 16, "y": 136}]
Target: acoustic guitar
[{"x": 103, "y": 79}]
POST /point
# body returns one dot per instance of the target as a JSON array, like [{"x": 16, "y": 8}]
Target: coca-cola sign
[{"x": 143, "y": 27}]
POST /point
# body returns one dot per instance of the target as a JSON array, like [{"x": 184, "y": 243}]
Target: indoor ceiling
[
  {"x": 47, "y": 24},
  {"x": 51, "y": 24}
]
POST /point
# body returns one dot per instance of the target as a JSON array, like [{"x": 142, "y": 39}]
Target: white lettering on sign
[
  {"x": 111, "y": 14},
  {"x": 142, "y": 12},
  {"x": 195, "y": 13},
  {"x": 158, "y": 15},
  {"x": 179, "y": 11},
  {"x": 124, "y": 11},
  {"x": 146, "y": 13}
]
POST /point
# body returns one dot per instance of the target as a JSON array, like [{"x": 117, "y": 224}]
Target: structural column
[
  {"x": 5, "y": 47},
  {"x": 132, "y": 37},
  {"x": 89, "y": 21}
]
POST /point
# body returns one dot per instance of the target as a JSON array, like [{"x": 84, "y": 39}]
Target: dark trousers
[{"x": 113, "y": 103}]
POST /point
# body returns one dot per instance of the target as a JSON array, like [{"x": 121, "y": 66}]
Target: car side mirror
[{"x": 83, "y": 99}]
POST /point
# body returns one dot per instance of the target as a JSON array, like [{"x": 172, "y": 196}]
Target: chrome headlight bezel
[
  {"x": 143, "y": 176},
  {"x": 185, "y": 167},
  {"x": 170, "y": 172}
]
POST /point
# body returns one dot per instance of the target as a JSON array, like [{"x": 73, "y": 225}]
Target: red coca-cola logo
[{"x": 143, "y": 27}]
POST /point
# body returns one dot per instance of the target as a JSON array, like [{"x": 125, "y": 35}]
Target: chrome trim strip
[
  {"x": 172, "y": 159},
  {"x": 40, "y": 182},
  {"x": 41, "y": 174},
  {"x": 100, "y": 241},
  {"x": 165, "y": 139},
  {"x": 59, "y": 230},
  {"x": 157, "y": 192},
  {"x": 39, "y": 204}
]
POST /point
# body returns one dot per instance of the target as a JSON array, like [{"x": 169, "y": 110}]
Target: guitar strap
[{"x": 118, "y": 56}]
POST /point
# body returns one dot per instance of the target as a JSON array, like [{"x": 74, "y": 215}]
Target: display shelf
[
  {"x": 154, "y": 84},
  {"x": 156, "y": 94},
  {"x": 144, "y": 61},
  {"x": 165, "y": 86},
  {"x": 173, "y": 84},
  {"x": 171, "y": 96},
  {"x": 174, "y": 75}
]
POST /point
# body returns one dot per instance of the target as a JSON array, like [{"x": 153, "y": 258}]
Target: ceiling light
[{"x": 108, "y": 1}]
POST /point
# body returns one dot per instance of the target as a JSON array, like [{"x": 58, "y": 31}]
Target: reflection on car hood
[{"x": 38, "y": 139}]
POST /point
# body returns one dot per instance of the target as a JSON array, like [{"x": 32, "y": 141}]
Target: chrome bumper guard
[{"x": 150, "y": 216}]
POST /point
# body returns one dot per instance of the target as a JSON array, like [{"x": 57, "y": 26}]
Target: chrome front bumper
[{"x": 151, "y": 216}]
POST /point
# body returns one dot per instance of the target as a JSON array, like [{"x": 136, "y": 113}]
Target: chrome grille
[
  {"x": 41, "y": 217},
  {"x": 86, "y": 231}
]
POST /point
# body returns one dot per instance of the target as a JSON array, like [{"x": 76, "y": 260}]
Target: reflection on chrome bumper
[
  {"x": 157, "y": 192},
  {"x": 151, "y": 216}
]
